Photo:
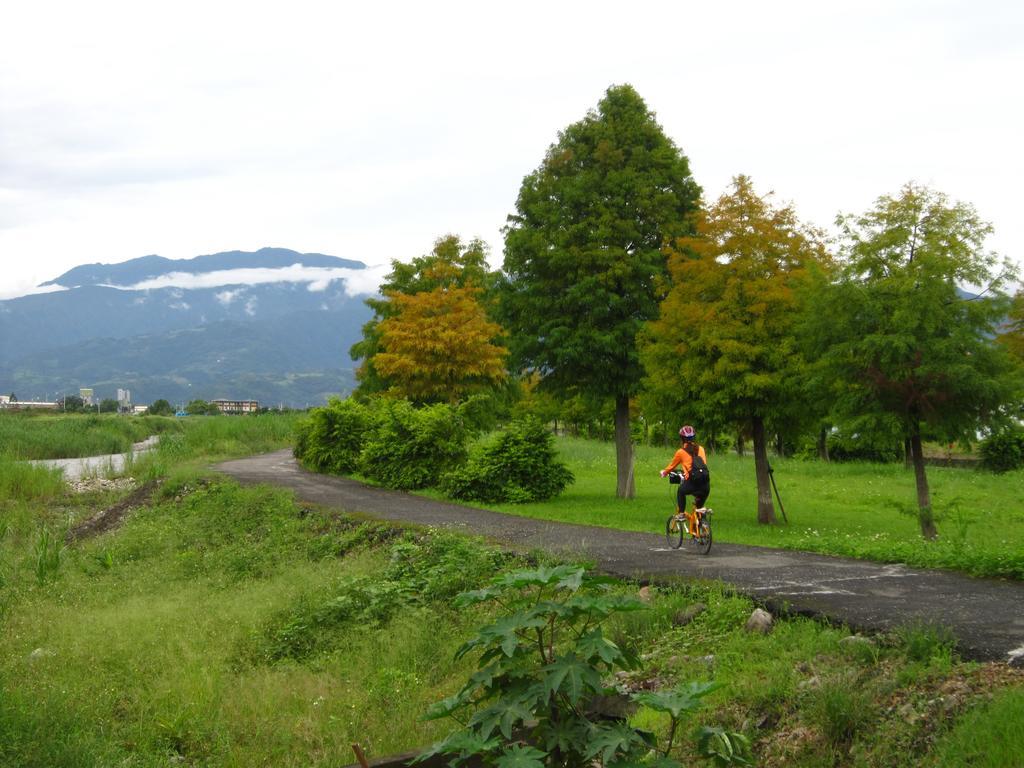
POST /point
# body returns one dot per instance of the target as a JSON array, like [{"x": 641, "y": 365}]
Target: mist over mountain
[
  {"x": 148, "y": 267},
  {"x": 273, "y": 325}
]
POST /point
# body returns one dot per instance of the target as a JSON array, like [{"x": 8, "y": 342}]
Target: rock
[
  {"x": 908, "y": 713},
  {"x": 760, "y": 621},
  {"x": 684, "y": 617},
  {"x": 856, "y": 641},
  {"x": 41, "y": 653},
  {"x": 89, "y": 484},
  {"x": 645, "y": 594},
  {"x": 811, "y": 682}
]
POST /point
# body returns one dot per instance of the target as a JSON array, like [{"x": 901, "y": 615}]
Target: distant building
[
  {"x": 139, "y": 409},
  {"x": 237, "y": 406},
  {"x": 15, "y": 405}
]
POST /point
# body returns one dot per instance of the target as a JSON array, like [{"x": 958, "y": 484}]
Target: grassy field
[
  {"x": 861, "y": 510},
  {"x": 230, "y": 626},
  {"x": 224, "y": 626}
]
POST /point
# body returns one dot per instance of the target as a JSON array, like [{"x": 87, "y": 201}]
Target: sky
[{"x": 367, "y": 131}]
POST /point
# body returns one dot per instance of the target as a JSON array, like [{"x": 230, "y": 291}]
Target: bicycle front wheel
[
  {"x": 703, "y": 539},
  {"x": 674, "y": 532}
]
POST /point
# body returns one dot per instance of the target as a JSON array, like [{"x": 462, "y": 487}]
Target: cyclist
[{"x": 696, "y": 480}]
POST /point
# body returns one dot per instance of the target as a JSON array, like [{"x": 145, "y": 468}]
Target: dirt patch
[{"x": 111, "y": 517}]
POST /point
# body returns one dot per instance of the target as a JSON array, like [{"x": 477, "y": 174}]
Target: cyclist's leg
[
  {"x": 700, "y": 498},
  {"x": 686, "y": 487},
  {"x": 681, "y": 499},
  {"x": 701, "y": 493}
]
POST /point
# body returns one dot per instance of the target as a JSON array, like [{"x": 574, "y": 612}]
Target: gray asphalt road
[{"x": 986, "y": 615}]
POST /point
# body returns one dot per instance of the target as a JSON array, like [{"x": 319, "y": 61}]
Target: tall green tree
[
  {"x": 1013, "y": 335},
  {"x": 897, "y": 337},
  {"x": 724, "y": 345},
  {"x": 583, "y": 255},
  {"x": 451, "y": 264},
  {"x": 160, "y": 407}
]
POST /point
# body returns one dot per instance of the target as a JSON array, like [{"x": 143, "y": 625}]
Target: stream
[{"x": 75, "y": 469}]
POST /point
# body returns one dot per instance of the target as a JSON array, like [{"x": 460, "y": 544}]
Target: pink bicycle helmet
[{"x": 687, "y": 432}]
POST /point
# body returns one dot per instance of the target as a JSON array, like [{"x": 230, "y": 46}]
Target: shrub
[
  {"x": 1004, "y": 450},
  {"x": 331, "y": 438},
  {"x": 517, "y": 465},
  {"x": 409, "y": 448},
  {"x": 542, "y": 667},
  {"x": 863, "y": 448}
]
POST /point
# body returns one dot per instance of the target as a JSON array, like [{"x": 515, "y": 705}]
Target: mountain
[
  {"x": 273, "y": 325},
  {"x": 149, "y": 267}
]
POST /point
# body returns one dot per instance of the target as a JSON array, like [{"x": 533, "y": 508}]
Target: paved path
[{"x": 986, "y": 615}]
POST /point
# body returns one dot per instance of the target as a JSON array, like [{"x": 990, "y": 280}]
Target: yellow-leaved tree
[
  {"x": 439, "y": 345},
  {"x": 724, "y": 346}
]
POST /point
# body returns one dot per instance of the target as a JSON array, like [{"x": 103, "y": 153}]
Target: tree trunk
[
  {"x": 780, "y": 446},
  {"x": 924, "y": 499},
  {"x": 823, "y": 444},
  {"x": 908, "y": 457},
  {"x": 765, "y": 507},
  {"x": 623, "y": 450},
  {"x": 739, "y": 442}
]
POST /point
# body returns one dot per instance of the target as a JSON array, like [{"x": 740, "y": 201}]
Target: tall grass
[
  {"x": 27, "y": 482},
  {"x": 25, "y": 436}
]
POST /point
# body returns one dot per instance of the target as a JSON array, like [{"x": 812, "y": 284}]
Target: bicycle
[{"x": 677, "y": 527}]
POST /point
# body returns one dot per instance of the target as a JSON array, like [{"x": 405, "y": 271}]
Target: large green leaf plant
[{"x": 543, "y": 667}]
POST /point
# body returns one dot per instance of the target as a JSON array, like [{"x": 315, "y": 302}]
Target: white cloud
[
  {"x": 226, "y": 297},
  {"x": 250, "y": 307},
  {"x": 357, "y": 281},
  {"x": 16, "y": 291},
  {"x": 182, "y": 305}
]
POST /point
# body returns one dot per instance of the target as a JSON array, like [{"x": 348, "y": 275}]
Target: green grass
[
  {"x": 155, "y": 640},
  {"x": 859, "y": 510},
  {"x": 989, "y": 737},
  {"x": 230, "y": 626}
]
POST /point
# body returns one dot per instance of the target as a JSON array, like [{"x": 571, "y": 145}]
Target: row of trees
[{"x": 620, "y": 286}]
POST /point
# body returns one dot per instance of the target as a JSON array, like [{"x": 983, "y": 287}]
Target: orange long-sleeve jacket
[{"x": 683, "y": 459}]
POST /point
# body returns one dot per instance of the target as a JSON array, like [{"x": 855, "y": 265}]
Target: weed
[
  {"x": 841, "y": 710},
  {"x": 926, "y": 643},
  {"x": 49, "y": 554}
]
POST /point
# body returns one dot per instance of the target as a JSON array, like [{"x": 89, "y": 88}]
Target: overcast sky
[{"x": 368, "y": 130}]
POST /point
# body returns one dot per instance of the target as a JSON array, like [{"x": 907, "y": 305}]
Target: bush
[
  {"x": 331, "y": 438},
  {"x": 542, "y": 668},
  {"x": 409, "y": 448},
  {"x": 861, "y": 448},
  {"x": 1004, "y": 450},
  {"x": 517, "y": 465}
]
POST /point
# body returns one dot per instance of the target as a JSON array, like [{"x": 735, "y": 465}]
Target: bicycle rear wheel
[
  {"x": 703, "y": 538},
  {"x": 674, "y": 532}
]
